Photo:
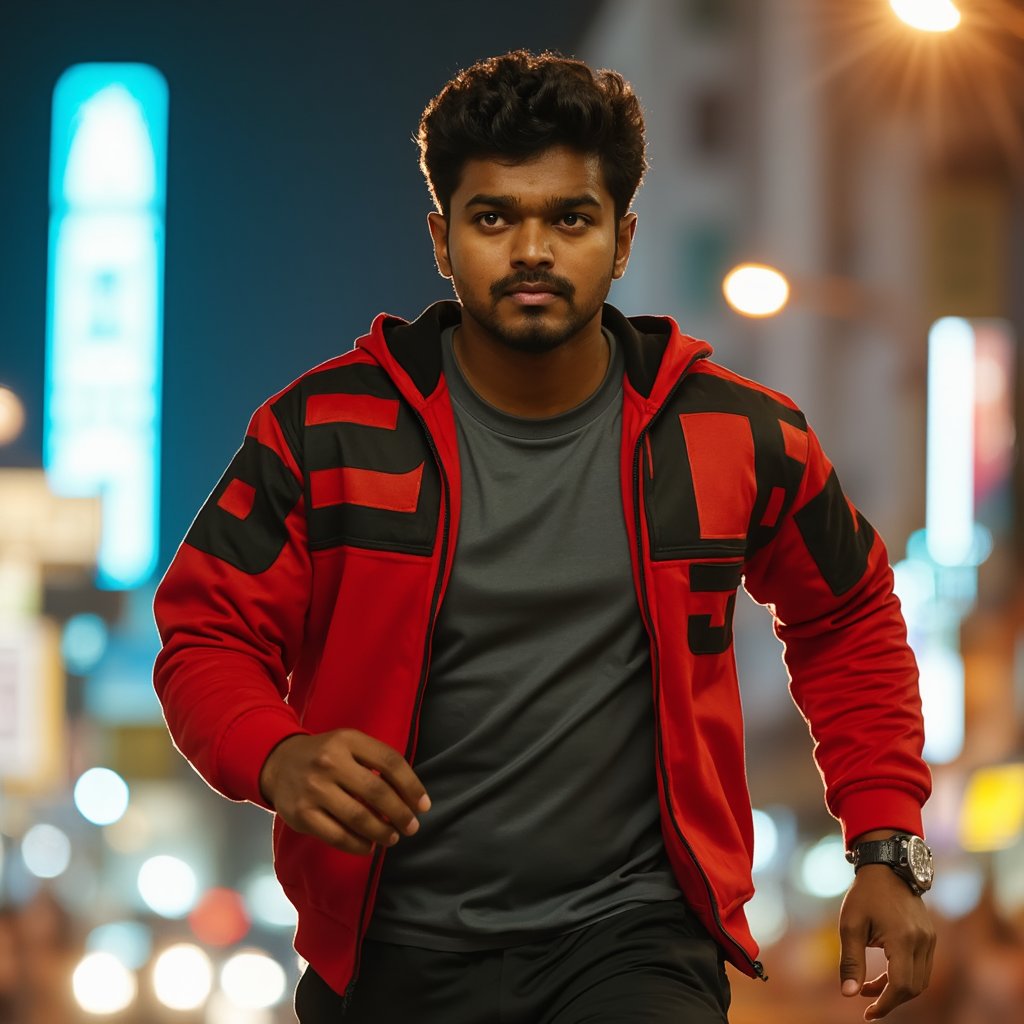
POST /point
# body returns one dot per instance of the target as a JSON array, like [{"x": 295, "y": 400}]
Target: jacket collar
[{"x": 656, "y": 352}]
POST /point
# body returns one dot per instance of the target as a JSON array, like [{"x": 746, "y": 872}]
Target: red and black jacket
[{"x": 304, "y": 598}]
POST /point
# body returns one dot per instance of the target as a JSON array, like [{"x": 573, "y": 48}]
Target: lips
[{"x": 532, "y": 294}]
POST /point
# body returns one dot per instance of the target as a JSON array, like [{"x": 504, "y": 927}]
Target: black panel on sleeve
[
  {"x": 669, "y": 496},
  {"x": 838, "y": 546},
  {"x": 716, "y": 578},
  {"x": 251, "y": 544}
]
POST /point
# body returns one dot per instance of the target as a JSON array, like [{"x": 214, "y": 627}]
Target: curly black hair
[{"x": 519, "y": 104}]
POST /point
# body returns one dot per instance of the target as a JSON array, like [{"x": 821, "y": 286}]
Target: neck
[{"x": 532, "y": 384}]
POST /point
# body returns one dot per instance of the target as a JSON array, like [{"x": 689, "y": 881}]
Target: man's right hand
[{"x": 327, "y": 786}]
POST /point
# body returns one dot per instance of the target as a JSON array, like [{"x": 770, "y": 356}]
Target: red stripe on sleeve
[
  {"x": 720, "y": 446},
  {"x": 238, "y": 498},
  {"x": 774, "y": 507},
  {"x": 365, "y": 410},
  {"x": 795, "y": 441},
  {"x": 395, "y": 492}
]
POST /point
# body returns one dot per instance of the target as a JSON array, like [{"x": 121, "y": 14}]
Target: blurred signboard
[
  {"x": 31, "y": 705},
  {"x": 101, "y": 426},
  {"x": 37, "y": 524}
]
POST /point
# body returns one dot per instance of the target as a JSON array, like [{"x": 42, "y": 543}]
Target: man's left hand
[{"x": 881, "y": 911}]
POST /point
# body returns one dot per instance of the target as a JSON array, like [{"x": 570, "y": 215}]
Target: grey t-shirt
[{"x": 536, "y": 738}]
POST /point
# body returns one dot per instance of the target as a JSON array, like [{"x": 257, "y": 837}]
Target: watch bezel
[{"x": 919, "y": 861}]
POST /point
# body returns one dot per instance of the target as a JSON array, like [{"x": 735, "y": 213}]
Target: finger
[
  {"x": 899, "y": 987},
  {"x": 380, "y": 798},
  {"x": 331, "y": 831},
  {"x": 875, "y": 986},
  {"x": 853, "y": 937},
  {"x": 359, "y": 817},
  {"x": 371, "y": 753}
]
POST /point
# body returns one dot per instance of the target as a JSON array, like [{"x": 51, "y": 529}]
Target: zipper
[
  {"x": 756, "y": 965},
  {"x": 376, "y": 863}
]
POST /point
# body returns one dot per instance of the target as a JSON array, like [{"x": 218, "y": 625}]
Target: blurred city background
[{"x": 199, "y": 202}]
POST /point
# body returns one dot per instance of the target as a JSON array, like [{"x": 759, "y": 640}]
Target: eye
[
  {"x": 573, "y": 220},
  {"x": 489, "y": 220}
]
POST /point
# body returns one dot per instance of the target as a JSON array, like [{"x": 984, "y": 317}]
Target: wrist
[
  {"x": 268, "y": 775},
  {"x": 870, "y": 837}
]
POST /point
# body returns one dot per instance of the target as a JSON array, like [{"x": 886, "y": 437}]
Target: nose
[{"x": 531, "y": 246}]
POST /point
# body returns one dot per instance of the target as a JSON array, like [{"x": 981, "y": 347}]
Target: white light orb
[
  {"x": 266, "y": 901},
  {"x": 253, "y": 979},
  {"x": 221, "y": 1010},
  {"x": 927, "y": 15},
  {"x": 168, "y": 886},
  {"x": 824, "y": 870},
  {"x": 756, "y": 290},
  {"x": 766, "y": 913},
  {"x": 101, "y": 796},
  {"x": 182, "y": 977},
  {"x": 766, "y": 840},
  {"x": 46, "y": 851},
  {"x": 102, "y": 984}
]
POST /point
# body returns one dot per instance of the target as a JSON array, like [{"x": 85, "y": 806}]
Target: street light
[
  {"x": 755, "y": 289},
  {"x": 927, "y": 15}
]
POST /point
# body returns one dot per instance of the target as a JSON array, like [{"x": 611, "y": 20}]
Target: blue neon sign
[{"x": 101, "y": 433}]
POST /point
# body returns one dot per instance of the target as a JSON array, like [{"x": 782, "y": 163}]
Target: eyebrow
[{"x": 554, "y": 205}]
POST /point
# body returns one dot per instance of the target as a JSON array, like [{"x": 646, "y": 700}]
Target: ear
[
  {"x": 623, "y": 244},
  {"x": 438, "y": 226}
]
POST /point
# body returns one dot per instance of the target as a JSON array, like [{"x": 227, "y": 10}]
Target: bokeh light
[
  {"x": 253, "y": 979},
  {"x": 102, "y": 984},
  {"x": 824, "y": 870},
  {"x": 168, "y": 886},
  {"x": 221, "y": 1010},
  {"x": 766, "y": 840},
  {"x": 755, "y": 290},
  {"x": 12, "y": 416},
  {"x": 101, "y": 796},
  {"x": 766, "y": 913},
  {"x": 83, "y": 642},
  {"x": 219, "y": 918},
  {"x": 130, "y": 941},
  {"x": 46, "y": 851},
  {"x": 267, "y": 902},
  {"x": 927, "y": 15},
  {"x": 182, "y": 977}
]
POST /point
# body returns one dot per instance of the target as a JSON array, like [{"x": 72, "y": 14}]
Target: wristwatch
[{"x": 906, "y": 854}]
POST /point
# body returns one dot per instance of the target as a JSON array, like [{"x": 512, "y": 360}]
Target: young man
[{"x": 503, "y": 543}]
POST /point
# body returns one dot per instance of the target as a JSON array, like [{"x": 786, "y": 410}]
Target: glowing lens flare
[
  {"x": 168, "y": 886},
  {"x": 182, "y": 977},
  {"x": 754, "y": 289},
  {"x": 927, "y": 15},
  {"x": 253, "y": 980},
  {"x": 102, "y": 984}
]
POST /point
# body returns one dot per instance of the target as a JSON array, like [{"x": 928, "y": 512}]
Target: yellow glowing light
[
  {"x": 992, "y": 815},
  {"x": 754, "y": 289},
  {"x": 927, "y": 15}
]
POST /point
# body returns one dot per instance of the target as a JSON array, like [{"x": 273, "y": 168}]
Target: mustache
[{"x": 559, "y": 285}]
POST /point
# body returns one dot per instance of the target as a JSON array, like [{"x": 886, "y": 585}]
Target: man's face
[{"x": 532, "y": 248}]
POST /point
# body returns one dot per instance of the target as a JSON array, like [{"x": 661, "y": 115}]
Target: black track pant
[{"x": 654, "y": 964}]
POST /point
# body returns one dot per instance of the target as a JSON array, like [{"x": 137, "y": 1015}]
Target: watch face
[{"x": 920, "y": 860}]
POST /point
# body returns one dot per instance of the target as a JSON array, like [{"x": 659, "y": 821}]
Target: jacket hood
[{"x": 654, "y": 349}]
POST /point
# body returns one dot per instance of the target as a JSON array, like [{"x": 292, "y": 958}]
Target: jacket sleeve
[
  {"x": 230, "y": 612},
  {"x": 826, "y": 579}
]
